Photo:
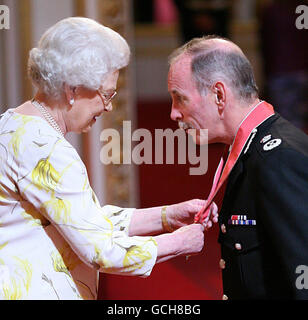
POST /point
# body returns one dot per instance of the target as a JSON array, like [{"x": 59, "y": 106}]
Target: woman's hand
[
  {"x": 190, "y": 238},
  {"x": 187, "y": 240},
  {"x": 212, "y": 217},
  {"x": 150, "y": 221},
  {"x": 183, "y": 213}
]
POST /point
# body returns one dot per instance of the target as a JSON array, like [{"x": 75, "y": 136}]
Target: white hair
[{"x": 76, "y": 51}]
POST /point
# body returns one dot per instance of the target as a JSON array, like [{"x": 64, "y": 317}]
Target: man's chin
[
  {"x": 202, "y": 142},
  {"x": 199, "y": 139}
]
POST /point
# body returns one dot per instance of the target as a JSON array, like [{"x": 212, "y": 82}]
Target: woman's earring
[{"x": 72, "y": 101}]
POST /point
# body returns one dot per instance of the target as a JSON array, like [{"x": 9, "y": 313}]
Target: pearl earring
[{"x": 72, "y": 101}]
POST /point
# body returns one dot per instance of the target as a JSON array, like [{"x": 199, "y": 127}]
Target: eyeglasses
[{"x": 106, "y": 97}]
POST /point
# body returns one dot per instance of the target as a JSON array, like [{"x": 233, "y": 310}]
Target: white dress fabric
[{"x": 54, "y": 235}]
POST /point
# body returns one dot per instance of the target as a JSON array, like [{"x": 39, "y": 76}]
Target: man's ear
[{"x": 219, "y": 91}]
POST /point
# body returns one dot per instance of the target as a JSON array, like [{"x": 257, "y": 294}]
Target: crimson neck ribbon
[{"x": 261, "y": 112}]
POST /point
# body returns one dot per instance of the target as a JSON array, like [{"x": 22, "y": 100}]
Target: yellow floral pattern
[
  {"x": 18, "y": 133},
  {"x": 19, "y": 283},
  {"x": 58, "y": 257},
  {"x": 136, "y": 257},
  {"x": 58, "y": 209},
  {"x": 55, "y": 235},
  {"x": 44, "y": 175}
]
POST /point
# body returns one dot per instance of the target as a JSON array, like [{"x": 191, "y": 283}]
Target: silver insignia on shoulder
[
  {"x": 266, "y": 138},
  {"x": 272, "y": 144}
]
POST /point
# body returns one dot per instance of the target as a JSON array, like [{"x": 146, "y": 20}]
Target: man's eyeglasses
[{"x": 106, "y": 97}]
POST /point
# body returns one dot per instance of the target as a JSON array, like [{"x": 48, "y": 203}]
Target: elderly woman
[{"x": 55, "y": 236}]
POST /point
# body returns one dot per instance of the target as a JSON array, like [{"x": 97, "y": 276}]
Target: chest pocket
[{"x": 241, "y": 238}]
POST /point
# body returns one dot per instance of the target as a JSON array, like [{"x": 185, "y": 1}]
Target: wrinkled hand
[
  {"x": 212, "y": 217},
  {"x": 191, "y": 238},
  {"x": 183, "y": 213}
]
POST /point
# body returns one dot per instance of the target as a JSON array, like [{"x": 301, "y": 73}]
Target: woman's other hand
[
  {"x": 187, "y": 240},
  {"x": 183, "y": 213}
]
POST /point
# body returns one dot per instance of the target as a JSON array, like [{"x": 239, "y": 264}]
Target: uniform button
[
  {"x": 238, "y": 246},
  {"x": 224, "y": 297},
  {"x": 222, "y": 263},
  {"x": 223, "y": 228}
]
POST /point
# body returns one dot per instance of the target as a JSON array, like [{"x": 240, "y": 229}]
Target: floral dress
[{"x": 54, "y": 235}]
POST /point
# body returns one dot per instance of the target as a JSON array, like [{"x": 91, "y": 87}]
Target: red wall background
[{"x": 197, "y": 278}]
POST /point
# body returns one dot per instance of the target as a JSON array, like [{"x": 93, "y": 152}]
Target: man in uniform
[{"x": 264, "y": 216}]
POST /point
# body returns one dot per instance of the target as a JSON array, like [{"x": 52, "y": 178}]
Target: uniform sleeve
[
  {"x": 54, "y": 180},
  {"x": 283, "y": 194}
]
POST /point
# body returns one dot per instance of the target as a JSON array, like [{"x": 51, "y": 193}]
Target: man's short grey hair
[
  {"x": 76, "y": 51},
  {"x": 212, "y": 63}
]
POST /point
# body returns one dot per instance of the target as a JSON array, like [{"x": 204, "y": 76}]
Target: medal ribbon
[{"x": 261, "y": 112}]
